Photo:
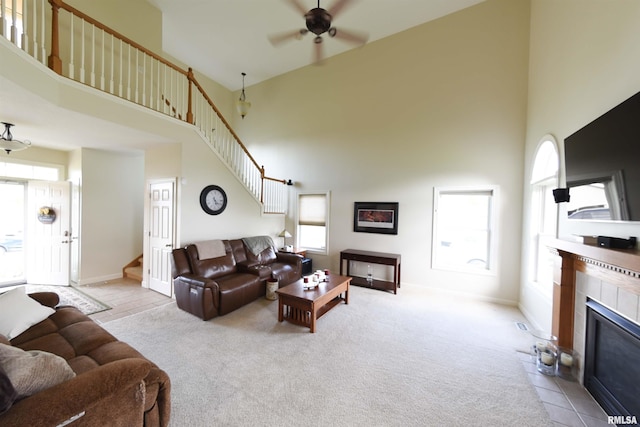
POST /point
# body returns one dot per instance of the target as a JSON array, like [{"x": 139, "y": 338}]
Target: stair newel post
[
  {"x": 190, "y": 98},
  {"x": 55, "y": 63},
  {"x": 262, "y": 184}
]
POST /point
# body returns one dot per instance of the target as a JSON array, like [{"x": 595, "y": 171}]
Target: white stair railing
[{"x": 80, "y": 48}]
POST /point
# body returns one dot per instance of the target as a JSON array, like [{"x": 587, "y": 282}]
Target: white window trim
[
  {"x": 493, "y": 229},
  {"x": 534, "y": 233},
  {"x": 327, "y": 221}
]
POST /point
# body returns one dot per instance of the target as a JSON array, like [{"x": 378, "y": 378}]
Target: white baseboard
[{"x": 99, "y": 279}]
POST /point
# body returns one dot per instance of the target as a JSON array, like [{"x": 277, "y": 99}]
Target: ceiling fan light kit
[
  {"x": 319, "y": 21},
  {"x": 242, "y": 104},
  {"x": 8, "y": 144}
]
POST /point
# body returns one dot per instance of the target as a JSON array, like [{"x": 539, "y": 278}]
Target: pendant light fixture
[
  {"x": 8, "y": 144},
  {"x": 242, "y": 104}
]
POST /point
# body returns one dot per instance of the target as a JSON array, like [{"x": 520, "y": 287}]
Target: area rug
[
  {"x": 412, "y": 359},
  {"x": 72, "y": 296}
]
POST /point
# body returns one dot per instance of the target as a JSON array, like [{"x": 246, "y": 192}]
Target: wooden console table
[{"x": 373, "y": 258}]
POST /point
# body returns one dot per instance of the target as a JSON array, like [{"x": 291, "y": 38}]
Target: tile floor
[
  {"x": 124, "y": 296},
  {"x": 567, "y": 402}
]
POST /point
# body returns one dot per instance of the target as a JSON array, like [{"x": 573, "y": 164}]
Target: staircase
[
  {"x": 97, "y": 56},
  {"x": 133, "y": 270}
]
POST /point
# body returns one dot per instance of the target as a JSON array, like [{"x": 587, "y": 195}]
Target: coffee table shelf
[{"x": 382, "y": 285}]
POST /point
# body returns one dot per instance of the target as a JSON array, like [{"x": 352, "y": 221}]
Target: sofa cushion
[
  {"x": 33, "y": 371},
  {"x": 8, "y": 394},
  {"x": 211, "y": 268},
  {"x": 18, "y": 312},
  {"x": 239, "y": 289},
  {"x": 266, "y": 257}
]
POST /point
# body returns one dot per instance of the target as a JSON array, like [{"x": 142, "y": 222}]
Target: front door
[
  {"x": 48, "y": 232},
  {"x": 161, "y": 235}
]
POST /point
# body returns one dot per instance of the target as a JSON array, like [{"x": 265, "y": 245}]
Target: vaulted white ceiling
[
  {"x": 223, "y": 38},
  {"x": 219, "y": 38}
]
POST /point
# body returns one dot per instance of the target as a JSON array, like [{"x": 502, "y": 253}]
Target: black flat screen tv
[{"x": 603, "y": 165}]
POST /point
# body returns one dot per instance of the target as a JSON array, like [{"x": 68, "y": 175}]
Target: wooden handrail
[
  {"x": 76, "y": 12},
  {"x": 55, "y": 63},
  {"x": 224, "y": 121}
]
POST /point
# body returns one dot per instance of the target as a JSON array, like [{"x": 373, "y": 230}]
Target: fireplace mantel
[{"x": 618, "y": 267}]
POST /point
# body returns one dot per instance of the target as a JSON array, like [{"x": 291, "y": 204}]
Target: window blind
[{"x": 313, "y": 209}]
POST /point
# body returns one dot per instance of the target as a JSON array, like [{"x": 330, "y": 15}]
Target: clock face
[{"x": 213, "y": 199}]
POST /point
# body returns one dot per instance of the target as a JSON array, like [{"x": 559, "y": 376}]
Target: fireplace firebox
[{"x": 612, "y": 360}]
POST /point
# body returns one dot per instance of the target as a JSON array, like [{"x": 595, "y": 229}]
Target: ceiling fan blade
[
  {"x": 337, "y": 7},
  {"x": 279, "y": 38},
  {"x": 297, "y": 6},
  {"x": 355, "y": 37}
]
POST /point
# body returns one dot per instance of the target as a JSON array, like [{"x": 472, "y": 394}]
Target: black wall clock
[{"x": 213, "y": 199}]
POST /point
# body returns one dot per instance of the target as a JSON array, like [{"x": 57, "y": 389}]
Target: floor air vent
[{"x": 522, "y": 326}]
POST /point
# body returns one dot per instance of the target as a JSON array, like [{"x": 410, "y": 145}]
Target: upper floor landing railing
[{"x": 77, "y": 46}]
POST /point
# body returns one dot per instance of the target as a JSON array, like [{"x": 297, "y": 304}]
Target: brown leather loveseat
[
  {"x": 106, "y": 381},
  {"x": 215, "y": 277}
]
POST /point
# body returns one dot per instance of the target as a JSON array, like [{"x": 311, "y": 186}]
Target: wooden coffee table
[{"x": 304, "y": 306}]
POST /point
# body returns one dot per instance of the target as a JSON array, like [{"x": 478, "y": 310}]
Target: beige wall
[
  {"x": 137, "y": 20},
  {"x": 112, "y": 210},
  {"x": 442, "y": 104},
  {"x": 585, "y": 59}
]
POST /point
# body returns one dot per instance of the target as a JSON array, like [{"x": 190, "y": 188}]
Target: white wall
[
  {"x": 585, "y": 59},
  {"x": 442, "y": 104}
]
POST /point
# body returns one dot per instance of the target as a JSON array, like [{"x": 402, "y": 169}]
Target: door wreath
[{"x": 46, "y": 215}]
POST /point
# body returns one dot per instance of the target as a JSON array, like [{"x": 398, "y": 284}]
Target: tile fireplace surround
[{"x": 609, "y": 276}]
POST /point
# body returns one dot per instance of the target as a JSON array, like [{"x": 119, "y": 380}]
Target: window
[
  {"x": 544, "y": 178},
  {"x": 313, "y": 214},
  {"x": 31, "y": 170},
  {"x": 464, "y": 229}
]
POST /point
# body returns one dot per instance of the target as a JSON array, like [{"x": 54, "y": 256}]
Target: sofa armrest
[
  {"x": 289, "y": 258},
  {"x": 50, "y": 299},
  {"x": 246, "y": 265},
  {"x": 197, "y": 295},
  {"x": 198, "y": 281},
  {"x": 114, "y": 391},
  {"x": 262, "y": 271}
]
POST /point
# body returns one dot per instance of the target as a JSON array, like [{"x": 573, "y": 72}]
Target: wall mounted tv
[{"x": 603, "y": 166}]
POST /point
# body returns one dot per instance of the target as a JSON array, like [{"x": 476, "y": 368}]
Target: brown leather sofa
[
  {"x": 114, "y": 384},
  {"x": 210, "y": 287}
]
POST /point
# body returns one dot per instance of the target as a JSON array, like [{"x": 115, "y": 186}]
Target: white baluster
[
  {"x": 129, "y": 72},
  {"x": 113, "y": 53},
  {"x": 24, "y": 42},
  {"x": 43, "y": 51},
  {"x": 14, "y": 22},
  {"x": 136, "y": 73},
  {"x": 72, "y": 66},
  {"x": 93, "y": 55},
  {"x": 82, "y": 52},
  {"x": 102, "y": 77}
]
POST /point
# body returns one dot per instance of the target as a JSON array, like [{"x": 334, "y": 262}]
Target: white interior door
[
  {"x": 48, "y": 236},
  {"x": 161, "y": 235}
]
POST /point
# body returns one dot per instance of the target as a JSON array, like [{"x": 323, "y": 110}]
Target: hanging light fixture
[
  {"x": 8, "y": 144},
  {"x": 242, "y": 104}
]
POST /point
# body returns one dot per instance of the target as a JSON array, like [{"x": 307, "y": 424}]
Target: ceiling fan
[{"x": 319, "y": 21}]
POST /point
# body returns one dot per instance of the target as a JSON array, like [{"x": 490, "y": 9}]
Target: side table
[{"x": 373, "y": 258}]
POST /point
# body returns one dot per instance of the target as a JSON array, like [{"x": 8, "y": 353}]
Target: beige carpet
[{"x": 412, "y": 359}]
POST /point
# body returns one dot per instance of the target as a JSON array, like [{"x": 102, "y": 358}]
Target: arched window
[{"x": 543, "y": 215}]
